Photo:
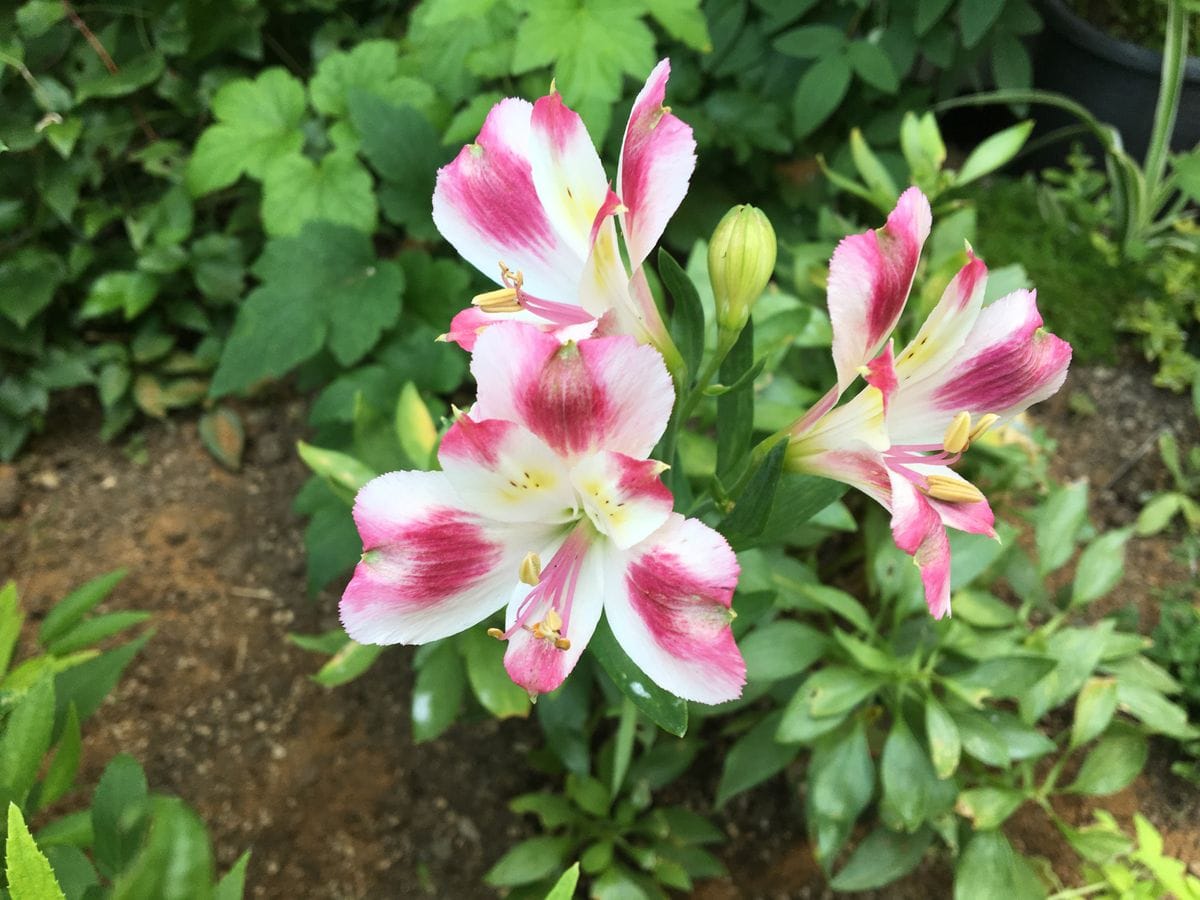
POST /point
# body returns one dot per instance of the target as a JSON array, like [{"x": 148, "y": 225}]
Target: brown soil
[{"x": 326, "y": 786}]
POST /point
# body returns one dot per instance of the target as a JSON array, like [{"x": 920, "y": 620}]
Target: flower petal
[
  {"x": 658, "y": 157},
  {"x": 944, "y": 331},
  {"x": 607, "y": 393},
  {"x": 918, "y": 531},
  {"x": 858, "y": 465},
  {"x": 504, "y": 472},
  {"x": 870, "y": 276},
  {"x": 567, "y": 173},
  {"x": 486, "y": 205},
  {"x": 623, "y": 496},
  {"x": 429, "y": 567},
  {"x": 973, "y": 518},
  {"x": 1006, "y": 364},
  {"x": 536, "y": 664},
  {"x": 668, "y": 602}
]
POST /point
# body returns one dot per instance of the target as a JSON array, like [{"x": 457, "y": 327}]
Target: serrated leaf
[
  {"x": 290, "y": 317},
  {"x": 258, "y": 122},
  {"x": 26, "y": 869},
  {"x": 222, "y": 434},
  {"x": 335, "y": 189},
  {"x": 373, "y": 67}
]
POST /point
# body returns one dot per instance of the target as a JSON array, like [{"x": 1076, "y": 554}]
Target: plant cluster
[{"x": 126, "y": 842}]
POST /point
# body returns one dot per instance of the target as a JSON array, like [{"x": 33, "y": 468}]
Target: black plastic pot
[{"x": 1117, "y": 81}]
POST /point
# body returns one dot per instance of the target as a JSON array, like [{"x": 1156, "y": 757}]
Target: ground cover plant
[{"x": 680, "y": 478}]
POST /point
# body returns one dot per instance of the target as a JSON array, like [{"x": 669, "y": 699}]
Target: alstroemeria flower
[
  {"x": 968, "y": 369},
  {"x": 529, "y": 205},
  {"x": 547, "y": 504}
]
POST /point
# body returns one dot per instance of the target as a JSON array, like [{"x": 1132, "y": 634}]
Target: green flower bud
[{"x": 741, "y": 258}]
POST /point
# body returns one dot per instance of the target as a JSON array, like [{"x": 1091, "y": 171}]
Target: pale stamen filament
[{"x": 959, "y": 435}]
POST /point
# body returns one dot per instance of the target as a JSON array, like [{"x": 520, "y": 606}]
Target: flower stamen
[
  {"x": 958, "y": 432},
  {"x": 951, "y": 490}
]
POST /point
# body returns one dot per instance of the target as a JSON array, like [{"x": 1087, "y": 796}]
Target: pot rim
[{"x": 1084, "y": 34}]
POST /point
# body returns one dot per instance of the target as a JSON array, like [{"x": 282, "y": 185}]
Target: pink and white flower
[
  {"x": 529, "y": 205},
  {"x": 551, "y": 465},
  {"x": 969, "y": 368}
]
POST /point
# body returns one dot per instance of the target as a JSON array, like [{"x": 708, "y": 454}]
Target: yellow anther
[
  {"x": 562, "y": 644},
  {"x": 442, "y": 338},
  {"x": 553, "y": 620},
  {"x": 501, "y": 300},
  {"x": 530, "y": 572},
  {"x": 496, "y": 633},
  {"x": 982, "y": 426},
  {"x": 952, "y": 490},
  {"x": 956, "y": 437}
]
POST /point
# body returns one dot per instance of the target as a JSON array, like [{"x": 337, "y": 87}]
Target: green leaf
[
  {"x": 866, "y": 656},
  {"x": 687, "y": 315},
  {"x": 983, "y": 610},
  {"x": 836, "y": 601},
  {"x": 1158, "y": 513},
  {"x": 883, "y": 857},
  {"x": 820, "y": 91},
  {"x": 404, "y": 149},
  {"x": 988, "y": 807},
  {"x": 873, "y": 172},
  {"x": 838, "y": 689},
  {"x": 1154, "y": 710},
  {"x": 993, "y": 153},
  {"x": 529, "y": 861},
  {"x": 289, "y": 318},
  {"x": 11, "y": 618},
  {"x": 753, "y": 758},
  {"x": 735, "y": 409},
  {"x": 371, "y": 67},
  {"x": 928, "y": 14},
  {"x": 1078, "y": 652},
  {"x": 1100, "y": 567},
  {"x": 351, "y": 661},
  {"x": 552, "y": 810},
  {"x": 799, "y": 498},
  {"x": 61, "y": 773},
  {"x": 810, "y": 41},
  {"x": 749, "y": 517},
  {"x": 908, "y": 779},
  {"x": 841, "y": 781},
  {"x": 258, "y": 122},
  {"x": 29, "y": 278},
  {"x": 1004, "y": 676},
  {"x": 1011, "y": 65},
  {"x": 490, "y": 682},
  {"x": 131, "y": 75},
  {"x": 94, "y": 630},
  {"x": 25, "y": 740},
  {"x": 590, "y": 44},
  {"x": 176, "y": 863},
  {"x": 664, "y": 709},
  {"x": 415, "y": 427},
  {"x": 27, "y": 870},
  {"x": 873, "y": 66},
  {"x": 980, "y": 738},
  {"x": 343, "y": 472},
  {"x": 118, "y": 814},
  {"x": 682, "y": 20},
  {"x": 976, "y": 17},
  {"x": 781, "y": 649},
  {"x": 233, "y": 885},
  {"x": 336, "y": 189},
  {"x": 1112, "y": 764},
  {"x": 36, "y": 17},
  {"x": 88, "y": 683},
  {"x": 921, "y": 143},
  {"x": 989, "y": 867},
  {"x": 945, "y": 745},
  {"x": 564, "y": 888},
  {"x": 127, "y": 292},
  {"x": 218, "y": 267},
  {"x": 1094, "y": 708}
]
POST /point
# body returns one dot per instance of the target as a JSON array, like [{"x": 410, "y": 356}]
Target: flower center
[
  {"x": 960, "y": 434},
  {"x": 553, "y": 592}
]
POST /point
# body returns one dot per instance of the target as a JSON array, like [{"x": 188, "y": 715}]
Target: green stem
[
  {"x": 690, "y": 394},
  {"x": 623, "y": 746},
  {"x": 1170, "y": 87}
]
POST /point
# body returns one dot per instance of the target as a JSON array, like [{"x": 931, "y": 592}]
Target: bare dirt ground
[{"x": 326, "y": 786}]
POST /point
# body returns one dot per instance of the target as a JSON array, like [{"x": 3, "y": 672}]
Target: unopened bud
[{"x": 741, "y": 258}]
